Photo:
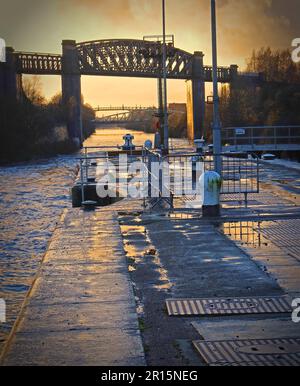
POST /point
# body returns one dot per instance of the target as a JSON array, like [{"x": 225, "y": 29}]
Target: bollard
[
  {"x": 210, "y": 185},
  {"x": 128, "y": 145},
  {"x": 200, "y": 144},
  {"x": 89, "y": 205}
]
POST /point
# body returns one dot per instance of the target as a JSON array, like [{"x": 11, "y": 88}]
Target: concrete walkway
[
  {"x": 80, "y": 309},
  {"x": 201, "y": 258}
]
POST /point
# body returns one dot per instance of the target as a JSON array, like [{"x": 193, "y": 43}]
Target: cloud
[{"x": 243, "y": 25}]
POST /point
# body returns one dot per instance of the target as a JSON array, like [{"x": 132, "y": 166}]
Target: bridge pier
[
  {"x": 71, "y": 91},
  {"x": 10, "y": 80},
  {"x": 196, "y": 99}
]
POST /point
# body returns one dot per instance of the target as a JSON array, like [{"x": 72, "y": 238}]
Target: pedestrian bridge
[
  {"x": 123, "y": 118},
  {"x": 261, "y": 138}
]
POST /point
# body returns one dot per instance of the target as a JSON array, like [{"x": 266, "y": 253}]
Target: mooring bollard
[
  {"x": 128, "y": 145},
  {"x": 210, "y": 185}
]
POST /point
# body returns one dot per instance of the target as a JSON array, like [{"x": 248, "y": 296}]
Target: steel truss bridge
[
  {"x": 125, "y": 108},
  {"x": 122, "y": 118},
  {"x": 121, "y": 58},
  {"x": 129, "y": 58},
  {"x": 130, "y": 114}
]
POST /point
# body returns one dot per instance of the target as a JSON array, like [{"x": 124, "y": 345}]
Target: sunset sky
[{"x": 41, "y": 25}]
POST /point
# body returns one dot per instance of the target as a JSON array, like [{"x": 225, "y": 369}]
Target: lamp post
[
  {"x": 165, "y": 97},
  {"x": 216, "y": 114}
]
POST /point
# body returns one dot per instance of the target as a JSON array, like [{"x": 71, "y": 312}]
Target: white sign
[
  {"x": 240, "y": 131},
  {"x": 2, "y": 51},
  {"x": 2, "y": 311}
]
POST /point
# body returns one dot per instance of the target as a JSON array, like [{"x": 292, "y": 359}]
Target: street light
[
  {"x": 165, "y": 99},
  {"x": 216, "y": 114}
]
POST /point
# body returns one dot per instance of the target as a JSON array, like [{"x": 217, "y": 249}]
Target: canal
[{"x": 33, "y": 195}]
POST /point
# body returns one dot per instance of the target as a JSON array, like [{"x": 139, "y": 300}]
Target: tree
[
  {"x": 275, "y": 101},
  {"x": 32, "y": 88}
]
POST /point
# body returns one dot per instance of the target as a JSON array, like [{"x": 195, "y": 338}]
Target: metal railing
[
  {"x": 158, "y": 191},
  {"x": 262, "y": 138},
  {"x": 240, "y": 174},
  {"x": 94, "y": 157}
]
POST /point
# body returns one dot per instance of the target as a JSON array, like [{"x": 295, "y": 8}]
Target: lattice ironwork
[
  {"x": 125, "y": 57},
  {"x": 136, "y": 58},
  {"x": 125, "y": 117},
  {"x": 224, "y": 74},
  {"x": 41, "y": 64}
]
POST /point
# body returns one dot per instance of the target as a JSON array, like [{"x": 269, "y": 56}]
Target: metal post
[
  {"x": 81, "y": 182},
  {"x": 160, "y": 109},
  {"x": 166, "y": 129},
  {"x": 216, "y": 116}
]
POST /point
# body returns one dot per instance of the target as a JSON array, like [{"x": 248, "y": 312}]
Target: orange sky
[{"x": 41, "y": 25}]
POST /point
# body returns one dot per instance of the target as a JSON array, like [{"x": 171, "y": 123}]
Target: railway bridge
[{"x": 121, "y": 58}]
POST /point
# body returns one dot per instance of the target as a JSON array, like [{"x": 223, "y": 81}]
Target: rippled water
[{"x": 32, "y": 197}]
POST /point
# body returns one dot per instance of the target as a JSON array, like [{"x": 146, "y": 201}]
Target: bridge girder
[
  {"x": 126, "y": 58},
  {"x": 132, "y": 58},
  {"x": 125, "y": 108},
  {"x": 38, "y": 64}
]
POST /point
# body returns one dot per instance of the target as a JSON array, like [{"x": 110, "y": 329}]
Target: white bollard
[{"x": 210, "y": 185}]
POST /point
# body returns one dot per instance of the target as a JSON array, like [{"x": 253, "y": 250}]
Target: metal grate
[
  {"x": 226, "y": 306},
  {"x": 263, "y": 352}
]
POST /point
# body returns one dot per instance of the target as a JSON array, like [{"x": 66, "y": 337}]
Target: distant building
[{"x": 178, "y": 107}]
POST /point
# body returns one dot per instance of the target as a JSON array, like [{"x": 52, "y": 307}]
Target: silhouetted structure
[{"x": 129, "y": 58}]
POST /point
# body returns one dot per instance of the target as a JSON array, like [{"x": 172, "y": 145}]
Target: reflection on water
[
  {"x": 139, "y": 248},
  {"x": 246, "y": 233}
]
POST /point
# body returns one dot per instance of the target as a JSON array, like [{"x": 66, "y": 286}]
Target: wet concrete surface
[
  {"x": 81, "y": 309},
  {"x": 91, "y": 304},
  {"x": 191, "y": 260},
  {"x": 200, "y": 258}
]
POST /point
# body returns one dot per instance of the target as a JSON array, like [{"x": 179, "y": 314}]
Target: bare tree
[{"x": 32, "y": 88}]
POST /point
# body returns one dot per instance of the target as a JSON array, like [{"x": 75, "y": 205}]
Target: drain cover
[
  {"x": 228, "y": 306},
  {"x": 264, "y": 352}
]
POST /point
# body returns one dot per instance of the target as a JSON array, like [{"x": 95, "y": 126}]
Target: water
[{"x": 33, "y": 196}]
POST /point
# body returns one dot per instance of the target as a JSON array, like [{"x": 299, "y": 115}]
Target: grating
[
  {"x": 253, "y": 352},
  {"x": 228, "y": 306}
]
